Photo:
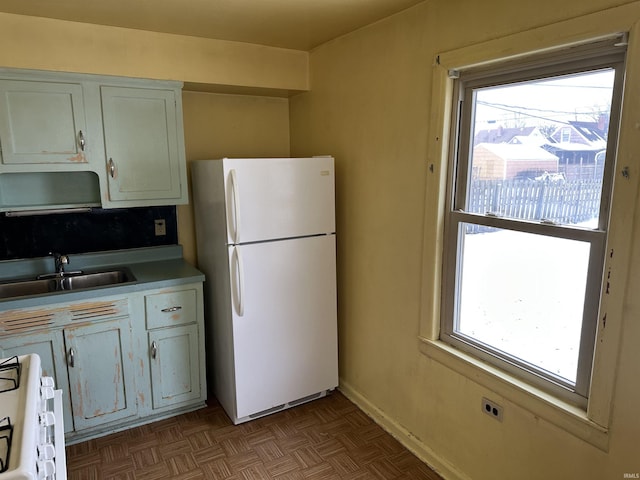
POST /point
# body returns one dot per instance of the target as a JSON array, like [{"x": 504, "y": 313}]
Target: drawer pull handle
[
  {"x": 171, "y": 309},
  {"x": 154, "y": 349},
  {"x": 72, "y": 358}
]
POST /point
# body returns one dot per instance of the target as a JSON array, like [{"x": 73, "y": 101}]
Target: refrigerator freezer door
[
  {"x": 284, "y": 321},
  {"x": 276, "y": 198}
]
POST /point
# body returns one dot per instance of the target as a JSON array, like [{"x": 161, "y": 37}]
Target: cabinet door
[
  {"x": 100, "y": 365},
  {"x": 141, "y": 143},
  {"x": 175, "y": 365},
  {"x": 41, "y": 122},
  {"x": 50, "y": 348}
]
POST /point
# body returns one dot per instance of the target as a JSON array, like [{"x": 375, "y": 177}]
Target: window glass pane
[
  {"x": 523, "y": 294},
  {"x": 537, "y": 148}
]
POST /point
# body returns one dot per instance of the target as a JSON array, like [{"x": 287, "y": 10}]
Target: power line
[
  {"x": 560, "y": 112},
  {"x": 524, "y": 111},
  {"x": 556, "y": 85}
]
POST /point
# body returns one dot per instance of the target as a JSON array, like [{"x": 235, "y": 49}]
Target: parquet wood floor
[{"x": 327, "y": 439}]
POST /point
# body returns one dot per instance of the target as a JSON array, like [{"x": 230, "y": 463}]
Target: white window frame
[
  {"x": 604, "y": 54},
  {"x": 591, "y": 423}
]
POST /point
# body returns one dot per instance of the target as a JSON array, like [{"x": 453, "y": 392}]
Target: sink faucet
[{"x": 60, "y": 261}]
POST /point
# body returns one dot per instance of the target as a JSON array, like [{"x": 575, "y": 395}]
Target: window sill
[{"x": 541, "y": 404}]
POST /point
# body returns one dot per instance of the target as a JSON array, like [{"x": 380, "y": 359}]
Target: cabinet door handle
[
  {"x": 72, "y": 358},
  {"x": 81, "y": 140},
  {"x": 112, "y": 168},
  {"x": 171, "y": 309},
  {"x": 154, "y": 349}
]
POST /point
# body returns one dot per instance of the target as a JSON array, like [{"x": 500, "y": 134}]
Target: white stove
[{"x": 31, "y": 423}]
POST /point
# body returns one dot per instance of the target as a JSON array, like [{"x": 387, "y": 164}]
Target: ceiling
[{"x": 296, "y": 24}]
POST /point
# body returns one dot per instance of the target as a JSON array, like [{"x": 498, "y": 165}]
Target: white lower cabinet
[
  {"x": 100, "y": 366},
  {"x": 176, "y": 348},
  {"x": 91, "y": 364},
  {"x": 110, "y": 354},
  {"x": 50, "y": 348},
  {"x": 175, "y": 371}
]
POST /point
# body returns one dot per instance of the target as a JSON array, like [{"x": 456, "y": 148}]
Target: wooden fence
[{"x": 561, "y": 202}]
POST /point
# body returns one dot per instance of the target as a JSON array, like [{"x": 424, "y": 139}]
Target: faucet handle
[{"x": 60, "y": 261}]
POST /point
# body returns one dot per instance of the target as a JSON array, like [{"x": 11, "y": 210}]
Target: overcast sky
[{"x": 574, "y": 97}]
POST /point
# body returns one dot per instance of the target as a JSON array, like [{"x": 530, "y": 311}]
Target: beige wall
[
  {"x": 219, "y": 126},
  {"x": 45, "y": 44},
  {"x": 370, "y": 106}
]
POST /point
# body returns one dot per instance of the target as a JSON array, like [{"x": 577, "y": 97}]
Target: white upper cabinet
[
  {"x": 55, "y": 127},
  {"x": 143, "y": 158},
  {"x": 42, "y": 123}
]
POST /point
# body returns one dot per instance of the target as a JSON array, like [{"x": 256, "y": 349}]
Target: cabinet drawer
[{"x": 170, "y": 308}]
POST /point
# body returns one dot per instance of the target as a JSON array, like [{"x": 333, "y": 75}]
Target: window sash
[{"x": 595, "y": 238}]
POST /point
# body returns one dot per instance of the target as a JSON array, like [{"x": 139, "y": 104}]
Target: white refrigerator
[{"x": 265, "y": 230}]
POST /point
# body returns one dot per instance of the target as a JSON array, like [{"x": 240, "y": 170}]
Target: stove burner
[
  {"x": 9, "y": 374},
  {"x": 6, "y": 433}
]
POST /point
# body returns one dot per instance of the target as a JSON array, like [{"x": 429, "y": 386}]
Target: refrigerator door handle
[
  {"x": 238, "y": 281},
  {"x": 235, "y": 206}
]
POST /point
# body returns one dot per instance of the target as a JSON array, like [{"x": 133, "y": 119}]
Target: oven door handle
[{"x": 58, "y": 432}]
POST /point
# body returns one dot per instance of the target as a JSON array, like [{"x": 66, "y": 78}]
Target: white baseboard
[{"x": 409, "y": 441}]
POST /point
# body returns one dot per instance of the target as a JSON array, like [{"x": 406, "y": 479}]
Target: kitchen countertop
[{"x": 155, "y": 267}]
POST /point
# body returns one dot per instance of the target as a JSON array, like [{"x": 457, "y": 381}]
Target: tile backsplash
[{"x": 73, "y": 233}]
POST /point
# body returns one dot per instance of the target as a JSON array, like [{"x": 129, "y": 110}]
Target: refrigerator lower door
[{"x": 284, "y": 321}]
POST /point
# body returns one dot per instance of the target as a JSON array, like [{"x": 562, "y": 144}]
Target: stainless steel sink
[
  {"x": 27, "y": 287},
  {"x": 67, "y": 282},
  {"x": 98, "y": 279}
]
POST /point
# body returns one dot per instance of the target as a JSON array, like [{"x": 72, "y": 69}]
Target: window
[{"x": 526, "y": 223}]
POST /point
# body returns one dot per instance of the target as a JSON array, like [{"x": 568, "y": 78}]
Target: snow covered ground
[{"x": 524, "y": 294}]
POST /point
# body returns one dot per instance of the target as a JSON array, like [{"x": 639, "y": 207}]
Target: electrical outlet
[
  {"x": 492, "y": 409},
  {"x": 161, "y": 227}
]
